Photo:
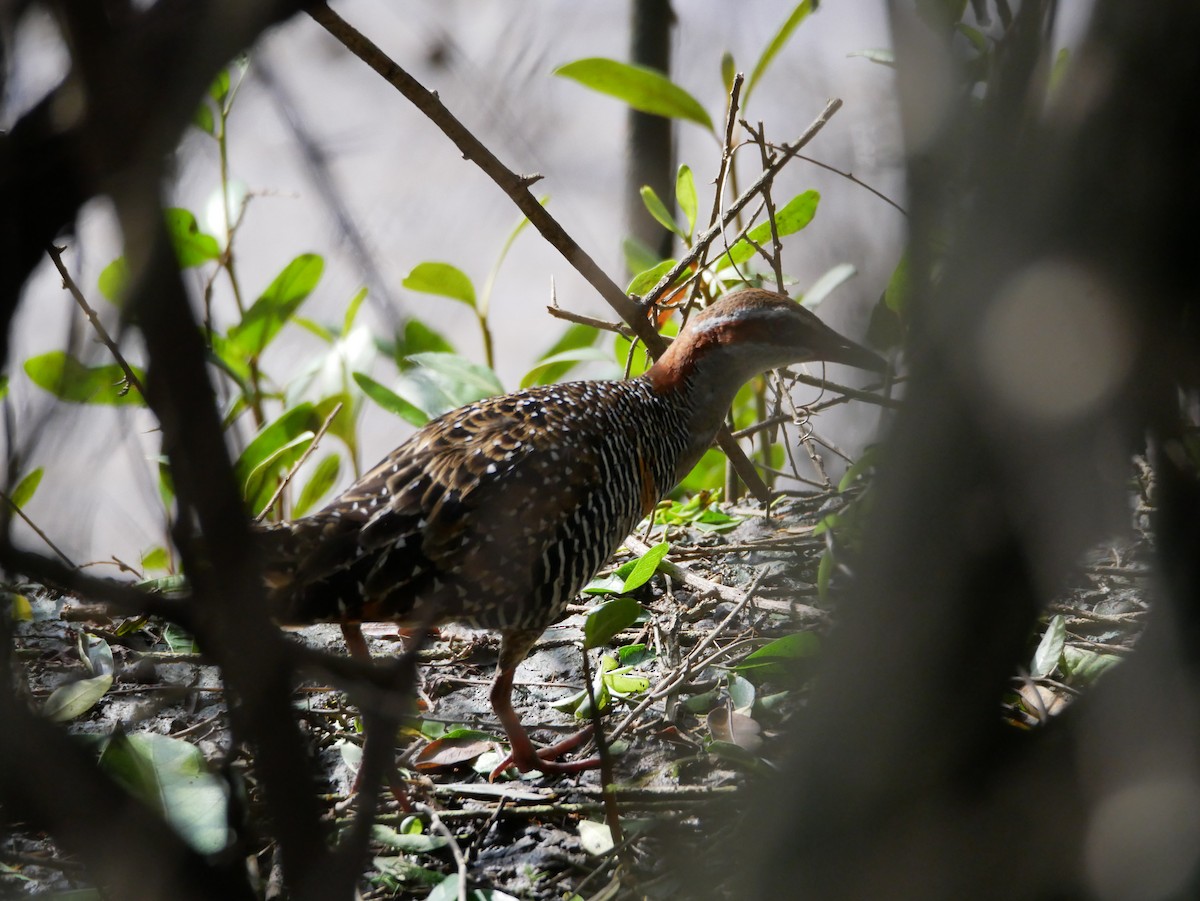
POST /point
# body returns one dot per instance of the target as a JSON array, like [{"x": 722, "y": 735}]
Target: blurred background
[{"x": 337, "y": 164}]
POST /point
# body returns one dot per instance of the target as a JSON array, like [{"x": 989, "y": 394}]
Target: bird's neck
[{"x": 701, "y": 382}]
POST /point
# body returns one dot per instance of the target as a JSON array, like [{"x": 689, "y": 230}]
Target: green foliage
[
  {"x": 798, "y": 15},
  {"x": 640, "y": 87},
  {"x": 276, "y": 305},
  {"x": 443, "y": 280},
  {"x": 70, "y": 380},
  {"x": 791, "y": 218}
]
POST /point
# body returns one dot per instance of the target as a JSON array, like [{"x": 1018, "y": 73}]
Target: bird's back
[{"x": 495, "y": 514}]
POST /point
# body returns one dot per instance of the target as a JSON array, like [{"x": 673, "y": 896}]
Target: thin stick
[
  {"x": 40, "y": 534},
  {"x": 460, "y": 860},
  {"x": 787, "y": 153},
  {"x": 131, "y": 378},
  {"x": 308, "y": 451},
  {"x": 602, "y": 325}
]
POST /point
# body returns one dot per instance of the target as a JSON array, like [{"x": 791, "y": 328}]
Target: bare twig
[
  {"x": 303, "y": 457},
  {"x": 602, "y": 325},
  {"x": 776, "y": 255},
  {"x": 787, "y": 153},
  {"x": 40, "y": 534},
  {"x": 131, "y": 378}
]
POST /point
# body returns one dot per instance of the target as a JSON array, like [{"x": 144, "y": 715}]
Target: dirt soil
[{"x": 684, "y": 747}]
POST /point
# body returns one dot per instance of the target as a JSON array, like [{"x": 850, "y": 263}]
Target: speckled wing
[{"x": 494, "y": 514}]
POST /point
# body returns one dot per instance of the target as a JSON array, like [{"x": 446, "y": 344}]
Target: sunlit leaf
[
  {"x": 795, "y": 215},
  {"x": 575, "y": 336},
  {"x": 390, "y": 400},
  {"x": 553, "y": 363},
  {"x": 640, "y": 87},
  {"x": 68, "y": 379},
  {"x": 172, "y": 777},
  {"x": 798, "y": 15},
  {"x": 271, "y": 311},
  {"x": 202, "y": 118},
  {"x": 462, "y": 380},
  {"x": 20, "y": 610},
  {"x": 441, "y": 279},
  {"x": 113, "y": 280},
  {"x": 352, "y": 309},
  {"x": 595, "y": 838},
  {"x": 646, "y": 566},
  {"x": 1050, "y": 648},
  {"x": 24, "y": 490},
  {"x": 644, "y": 281},
  {"x": 76, "y": 698},
  {"x": 156, "y": 558},
  {"x": 608, "y": 619},
  {"x": 685, "y": 196},
  {"x": 323, "y": 478},
  {"x": 656, "y": 208},
  {"x": 192, "y": 246},
  {"x": 880, "y": 56},
  {"x": 776, "y": 659},
  {"x": 407, "y": 842},
  {"x": 830, "y": 281}
]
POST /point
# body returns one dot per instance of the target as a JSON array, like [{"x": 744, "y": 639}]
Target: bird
[{"x": 496, "y": 514}]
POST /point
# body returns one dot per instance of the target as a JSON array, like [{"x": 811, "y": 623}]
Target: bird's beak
[
  {"x": 848, "y": 353},
  {"x": 831, "y": 347}
]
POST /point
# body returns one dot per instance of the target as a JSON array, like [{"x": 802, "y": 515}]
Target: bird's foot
[{"x": 545, "y": 760}]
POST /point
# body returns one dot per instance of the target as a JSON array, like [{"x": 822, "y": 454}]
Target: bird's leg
[
  {"x": 514, "y": 647},
  {"x": 356, "y": 644}
]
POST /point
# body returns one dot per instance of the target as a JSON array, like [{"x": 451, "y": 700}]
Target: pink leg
[
  {"x": 514, "y": 647},
  {"x": 356, "y": 644}
]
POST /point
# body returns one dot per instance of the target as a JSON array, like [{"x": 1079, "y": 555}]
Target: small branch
[
  {"x": 308, "y": 451},
  {"x": 591, "y": 321},
  {"x": 131, "y": 378},
  {"x": 776, "y": 255},
  {"x": 40, "y": 534},
  {"x": 787, "y": 153},
  {"x": 850, "y": 176}
]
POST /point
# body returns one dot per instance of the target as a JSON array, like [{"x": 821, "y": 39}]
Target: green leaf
[
  {"x": 323, "y": 478},
  {"x": 113, "y": 280},
  {"x": 390, "y": 400},
  {"x": 276, "y": 447},
  {"x": 656, "y": 208},
  {"x": 638, "y": 256},
  {"x": 202, "y": 118},
  {"x": 608, "y": 619},
  {"x": 553, "y": 363},
  {"x": 172, "y": 777},
  {"x": 463, "y": 381},
  {"x": 76, "y": 698},
  {"x": 880, "y": 56},
  {"x": 3, "y": 387},
  {"x": 407, "y": 842},
  {"x": 576, "y": 336},
  {"x": 772, "y": 660},
  {"x": 352, "y": 309},
  {"x": 443, "y": 280},
  {"x": 644, "y": 281},
  {"x": 419, "y": 338},
  {"x": 728, "y": 71},
  {"x": 1050, "y": 648},
  {"x": 156, "y": 558},
  {"x": 219, "y": 88},
  {"x": 23, "y": 492},
  {"x": 276, "y": 305},
  {"x": 798, "y": 15},
  {"x": 685, "y": 196},
  {"x": 68, "y": 379},
  {"x": 1083, "y": 667},
  {"x": 829, "y": 282},
  {"x": 895, "y": 296},
  {"x": 192, "y": 246},
  {"x": 640, "y": 87},
  {"x": 795, "y": 215},
  {"x": 646, "y": 566}
]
